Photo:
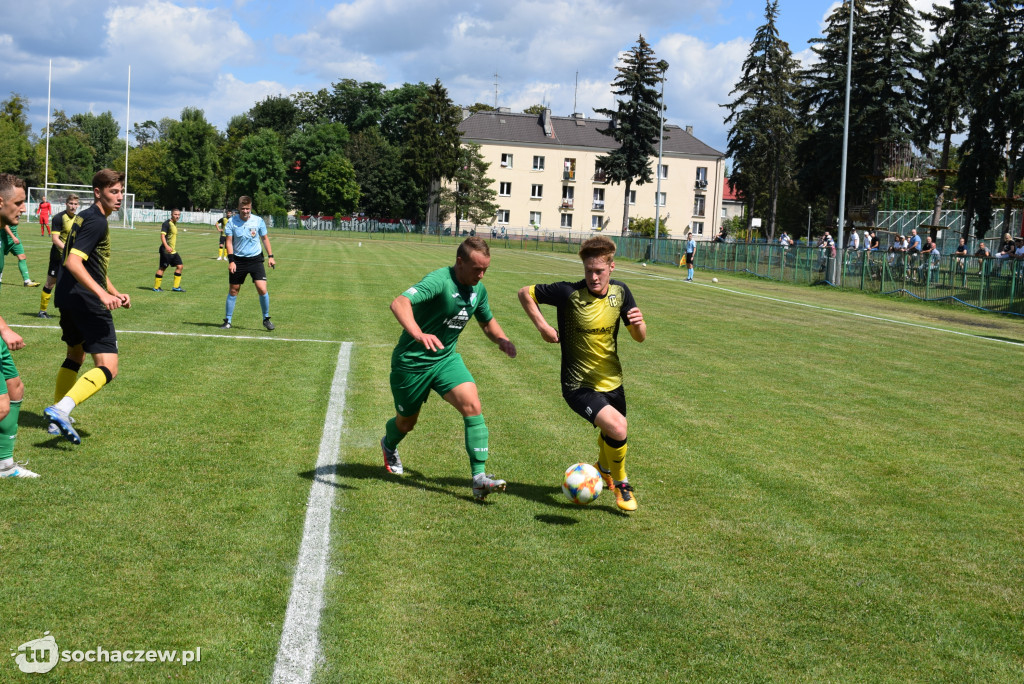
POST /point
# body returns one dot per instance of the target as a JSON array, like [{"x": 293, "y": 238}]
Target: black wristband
[
  {"x": 270, "y": 256},
  {"x": 231, "y": 258}
]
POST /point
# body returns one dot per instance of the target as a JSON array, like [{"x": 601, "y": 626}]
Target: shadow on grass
[
  {"x": 28, "y": 419},
  {"x": 53, "y": 316},
  {"x": 204, "y": 324},
  {"x": 458, "y": 488}
]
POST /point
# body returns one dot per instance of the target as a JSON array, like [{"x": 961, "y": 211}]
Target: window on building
[
  {"x": 697, "y": 227},
  {"x": 632, "y": 196},
  {"x": 538, "y": 163},
  {"x": 698, "y": 206},
  {"x": 663, "y": 171},
  {"x": 506, "y": 159},
  {"x": 567, "y": 220},
  {"x": 568, "y": 193},
  {"x": 536, "y": 191},
  {"x": 598, "y": 199},
  {"x": 725, "y": 213},
  {"x": 662, "y": 198},
  {"x": 596, "y": 222},
  {"x": 569, "y": 169},
  {"x": 534, "y": 218},
  {"x": 702, "y": 177},
  {"x": 504, "y": 189},
  {"x": 503, "y": 216}
]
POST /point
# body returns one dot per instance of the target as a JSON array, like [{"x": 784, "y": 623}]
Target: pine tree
[
  {"x": 473, "y": 194},
  {"x": 636, "y": 121},
  {"x": 433, "y": 144},
  {"x": 764, "y": 123}
]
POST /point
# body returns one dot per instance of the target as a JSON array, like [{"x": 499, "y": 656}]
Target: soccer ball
[
  {"x": 714, "y": 280},
  {"x": 582, "y": 483}
]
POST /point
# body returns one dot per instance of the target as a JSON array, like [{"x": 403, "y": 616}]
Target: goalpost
[{"x": 58, "y": 193}]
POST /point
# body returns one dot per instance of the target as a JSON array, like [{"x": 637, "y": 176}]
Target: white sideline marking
[
  {"x": 296, "y": 655},
  {"x": 224, "y": 336}
]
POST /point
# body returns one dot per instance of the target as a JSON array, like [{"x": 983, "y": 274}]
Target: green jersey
[{"x": 442, "y": 307}]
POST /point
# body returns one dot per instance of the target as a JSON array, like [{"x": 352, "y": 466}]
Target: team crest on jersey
[{"x": 613, "y": 300}]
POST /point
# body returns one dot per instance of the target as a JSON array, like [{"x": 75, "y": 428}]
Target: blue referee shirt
[{"x": 245, "y": 235}]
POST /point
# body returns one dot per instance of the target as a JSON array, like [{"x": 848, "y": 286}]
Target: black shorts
[
  {"x": 86, "y": 322},
  {"x": 223, "y": 240},
  {"x": 689, "y": 258},
  {"x": 247, "y": 266},
  {"x": 168, "y": 260},
  {"x": 55, "y": 261},
  {"x": 588, "y": 403}
]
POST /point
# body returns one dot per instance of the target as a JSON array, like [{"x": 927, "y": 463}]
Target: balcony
[
  {"x": 598, "y": 205},
  {"x": 600, "y": 177},
  {"x": 567, "y": 203},
  {"x": 700, "y": 185},
  {"x": 569, "y": 176}
]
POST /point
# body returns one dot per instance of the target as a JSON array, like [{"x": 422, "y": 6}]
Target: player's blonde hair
[{"x": 599, "y": 246}]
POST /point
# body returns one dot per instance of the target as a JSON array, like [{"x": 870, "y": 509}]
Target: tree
[
  {"x": 101, "y": 130},
  {"x": 147, "y": 171},
  {"x": 260, "y": 172},
  {"x": 432, "y": 152},
  {"x": 644, "y": 227},
  {"x": 473, "y": 193},
  {"x": 635, "y": 123},
  {"x": 277, "y": 113},
  {"x": 16, "y": 154},
  {"x": 480, "y": 107},
  {"x": 385, "y": 190},
  {"x": 764, "y": 123},
  {"x": 71, "y": 158},
  {"x": 145, "y": 133},
  {"x": 335, "y": 186},
  {"x": 306, "y": 151},
  {"x": 192, "y": 162},
  {"x": 536, "y": 109}
]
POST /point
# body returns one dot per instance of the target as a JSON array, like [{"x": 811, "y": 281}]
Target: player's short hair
[
  {"x": 244, "y": 201},
  {"x": 104, "y": 178},
  {"x": 8, "y": 182},
  {"x": 473, "y": 244},
  {"x": 599, "y": 246},
  {"x": 175, "y": 209},
  {"x": 70, "y": 197}
]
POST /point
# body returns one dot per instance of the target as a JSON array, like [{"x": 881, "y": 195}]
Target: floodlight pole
[
  {"x": 837, "y": 276},
  {"x": 127, "y": 121},
  {"x": 46, "y": 168},
  {"x": 661, "y": 145}
]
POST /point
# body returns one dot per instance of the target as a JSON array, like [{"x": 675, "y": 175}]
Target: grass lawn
[{"x": 829, "y": 484}]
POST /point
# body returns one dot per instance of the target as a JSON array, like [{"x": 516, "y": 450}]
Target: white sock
[
  {"x": 66, "y": 405},
  {"x": 7, "y": 463}
]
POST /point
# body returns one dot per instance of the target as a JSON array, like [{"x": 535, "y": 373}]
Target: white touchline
[
  {"x": 296, "y": 654},
  {"x": 268, "y": 338}
]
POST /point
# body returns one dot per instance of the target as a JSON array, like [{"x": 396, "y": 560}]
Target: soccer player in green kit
[{"x": 433, "y": 313}]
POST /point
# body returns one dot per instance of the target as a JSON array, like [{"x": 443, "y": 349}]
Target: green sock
[
  {"x": 392, "y": 435},
  {"x": 476, "y": 443},
  {"x": 23, "y": 267},
  {"x": 9, "y": 431}
]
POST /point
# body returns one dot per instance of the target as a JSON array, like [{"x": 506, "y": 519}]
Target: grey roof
[{"x": 568, "y": 132}]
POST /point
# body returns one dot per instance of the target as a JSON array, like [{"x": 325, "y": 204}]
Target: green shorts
[
  {"x": 10, "y": 247},
  {"x": 411, "y": 388},
  {"x": 7, "y": 368}
]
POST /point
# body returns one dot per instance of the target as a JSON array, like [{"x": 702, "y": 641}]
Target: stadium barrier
[{"x": 990, "y": 284}]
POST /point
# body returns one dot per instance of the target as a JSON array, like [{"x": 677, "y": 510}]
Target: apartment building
[{"x": 545, "y": 174}]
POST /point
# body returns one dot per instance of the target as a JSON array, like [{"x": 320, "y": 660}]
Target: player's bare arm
[
  {"x": 12, "y": 338},
  {"x": 637, "y": 328},
  {"x": 401, "y": 307},
  {"x": 11, "y": 235},
  {"x": 231, "y": 254},
  {"x": 270, "y": 252},
  {"x": 548, "y": 333},
  {"x": 76, "y": 267},
  {"x": 497, "y": 335},
  {"x": 163, "y": 240},
  {"x": 126, "y": 301}
]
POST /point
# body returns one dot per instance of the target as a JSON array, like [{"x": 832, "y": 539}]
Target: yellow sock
[
  {"x": 44, "y": 300},
  {"x": 66, "y": 379},
  {"x": 617, "y": 461},
  {"x": 88, "y": 385},
  {"x": 177, "y": 281},
  {"x": 602, "y": 453},
  {"x": 222, "y": 251},
  {"x": 157, "y": 282}
]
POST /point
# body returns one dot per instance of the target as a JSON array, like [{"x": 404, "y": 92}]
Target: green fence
[{"x": 988, "y": 284}]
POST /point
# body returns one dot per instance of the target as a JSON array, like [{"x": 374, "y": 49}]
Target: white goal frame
[{"x": 56, "y": 192}]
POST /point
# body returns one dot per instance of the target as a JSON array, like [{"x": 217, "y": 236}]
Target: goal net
[{"x": 58, "y": 195}]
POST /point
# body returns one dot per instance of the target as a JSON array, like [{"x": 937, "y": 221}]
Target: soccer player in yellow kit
[{"x": 589, "y": 313}]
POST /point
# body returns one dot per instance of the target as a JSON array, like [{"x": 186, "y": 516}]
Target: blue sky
[{"x": 223, "y": 56}]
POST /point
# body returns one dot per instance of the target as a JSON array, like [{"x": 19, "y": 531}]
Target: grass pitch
[{"x": 829, "y": 485}]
